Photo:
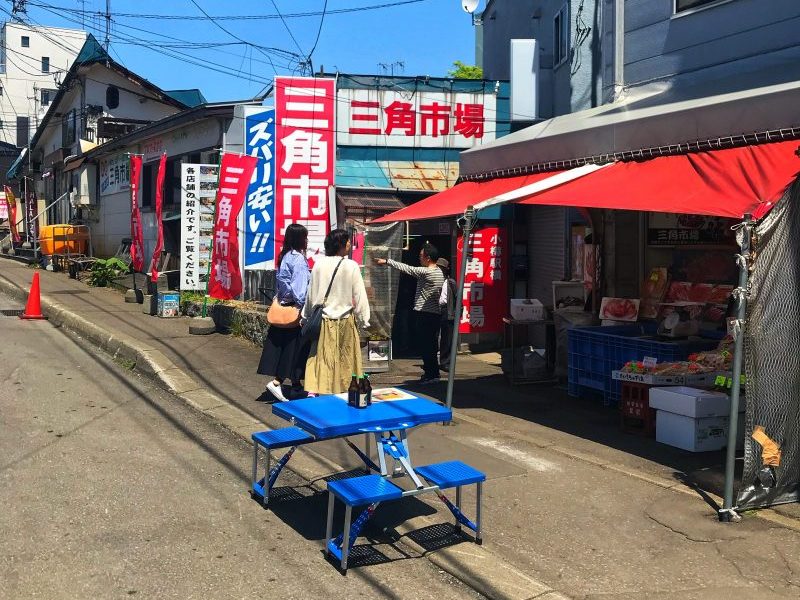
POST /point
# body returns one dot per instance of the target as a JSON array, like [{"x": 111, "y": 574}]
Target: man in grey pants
[{"x": 427, "y": 313}]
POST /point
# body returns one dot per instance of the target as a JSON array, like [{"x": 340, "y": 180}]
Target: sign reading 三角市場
[
  {"x": 305, "y": 114},
  {"x": 486, "y": 282},
  {"x": 424, "y": 119}
]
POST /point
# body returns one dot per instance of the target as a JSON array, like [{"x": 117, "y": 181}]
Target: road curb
[{"x": 479, "y": 569}]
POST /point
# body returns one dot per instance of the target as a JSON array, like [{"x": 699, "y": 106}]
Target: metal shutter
[{"x": 546, "y": 250}]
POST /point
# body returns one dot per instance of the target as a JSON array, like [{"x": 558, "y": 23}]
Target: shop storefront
[{"x": 663, "y": 217}]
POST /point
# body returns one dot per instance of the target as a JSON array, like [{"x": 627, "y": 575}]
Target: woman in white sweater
[{"x": 336, "y": 355}]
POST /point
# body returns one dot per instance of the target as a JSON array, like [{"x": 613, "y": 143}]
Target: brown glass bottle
[{"x": 353, "y": 392}]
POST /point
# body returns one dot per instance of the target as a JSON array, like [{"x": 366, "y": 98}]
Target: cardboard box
[
  {"x": 526, "y": 309},
  {"x": 707, "y": 434},
  {"x": 690, "y": 402},
  {"x": 169, "y": 304}
]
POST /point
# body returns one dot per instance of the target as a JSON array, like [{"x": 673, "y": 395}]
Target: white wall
[{"x": 22, "y": 78}]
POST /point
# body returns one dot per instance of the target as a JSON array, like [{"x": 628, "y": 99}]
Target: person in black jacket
[{"x": 447, "y": 302}]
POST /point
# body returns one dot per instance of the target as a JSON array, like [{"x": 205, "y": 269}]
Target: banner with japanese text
[
  {"x": 235, "y": 173},
  {"x": 198, "y": 200},
  {"x": 305, "y": 112},
  {"x": 137, "y": 236},
  {"x": 32, "y": 223},
  {"x": 4, "y": 209},
  {"x": 11, "y": 202},
  {"x": 259, "y": 210},
  {"x": 159, "y": 246},
  {"x": 486, "y": 283}
]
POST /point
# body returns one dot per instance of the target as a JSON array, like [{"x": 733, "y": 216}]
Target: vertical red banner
[
  {"x": 486, "y": 283},
  {"x": 162, "y": 168},
  {"x": 137, "y": 237},
  {"x": 305, "y": 112},
  {"x": 12, "y": 213},
  {"x": 234, "y": 178}
]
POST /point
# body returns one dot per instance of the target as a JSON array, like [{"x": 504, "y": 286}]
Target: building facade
[
  {"x": 685, "y": 68},
  {"x": 33, "y": 63}
]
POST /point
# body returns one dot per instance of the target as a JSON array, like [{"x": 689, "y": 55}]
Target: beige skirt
[{"x": 334, "y": 357}]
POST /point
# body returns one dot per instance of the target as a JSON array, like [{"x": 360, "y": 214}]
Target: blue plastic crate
[{"x": 594, "y": 352}]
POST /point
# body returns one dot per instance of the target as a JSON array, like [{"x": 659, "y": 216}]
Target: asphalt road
[{"x": 112, "y": 488}]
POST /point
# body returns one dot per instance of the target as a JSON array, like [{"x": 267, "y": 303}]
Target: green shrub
[{"x": 105, "y": 270}]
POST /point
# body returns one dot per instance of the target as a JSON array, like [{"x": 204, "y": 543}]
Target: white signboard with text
[
  {"x": 198, "y": 198},
  {"x": 393, "y": 118},
  {"x": 115, "y": 174}
]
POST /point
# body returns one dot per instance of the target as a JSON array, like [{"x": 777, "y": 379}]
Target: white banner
[
  {"x": 198, "y": 197},
  {"x": 373, "y": 117}
]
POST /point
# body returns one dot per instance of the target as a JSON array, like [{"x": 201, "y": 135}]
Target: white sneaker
[{"x": 275, "y": 389}]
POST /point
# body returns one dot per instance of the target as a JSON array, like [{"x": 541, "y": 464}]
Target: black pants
[
  {"x": 427, "y": 333},
  {"x": 445, "y": 341}
]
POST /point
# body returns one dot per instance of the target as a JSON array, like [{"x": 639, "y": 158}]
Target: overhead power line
[{"x": 277, "y": 15}]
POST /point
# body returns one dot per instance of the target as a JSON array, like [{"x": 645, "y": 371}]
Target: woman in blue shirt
[{"x": 284, "y": 355}]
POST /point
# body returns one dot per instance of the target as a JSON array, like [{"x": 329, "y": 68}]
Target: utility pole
[{"x": 108, "y": 24}]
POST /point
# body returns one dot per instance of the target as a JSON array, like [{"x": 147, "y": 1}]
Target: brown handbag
[{"x": 279, "y": 315}]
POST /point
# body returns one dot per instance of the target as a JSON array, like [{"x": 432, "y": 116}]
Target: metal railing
[{"x": 36, "y": 246}]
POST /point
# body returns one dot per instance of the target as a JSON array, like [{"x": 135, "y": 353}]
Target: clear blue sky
[{"x": 426, "y": 36}]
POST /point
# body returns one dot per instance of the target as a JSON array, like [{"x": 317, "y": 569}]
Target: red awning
[
  {"x": 724, "y": 183},
  {"x": 456, "y": 200}
]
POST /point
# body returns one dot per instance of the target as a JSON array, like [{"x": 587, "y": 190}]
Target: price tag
[
  {"x": 650, "y": 362},
  {"x": 720, "y": 381}
]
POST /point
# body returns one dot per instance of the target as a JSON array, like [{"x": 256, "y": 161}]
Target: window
[
  {"x": 561, "y": 36},
  {"x": 68, "y": 127},
  {"x": 23, "y": 131},
  {"x": 47, "y": 96},
  {"x": 45, "y": 64},
  {"x": 112, "y": 96},
  {"x": 684, "y": 5},
  {"x": 25, "y": 42}
]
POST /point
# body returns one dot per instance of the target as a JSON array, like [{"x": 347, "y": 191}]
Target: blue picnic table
[{"x": 387, "y": 423}]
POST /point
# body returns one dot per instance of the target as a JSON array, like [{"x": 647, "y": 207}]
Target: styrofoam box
[
  {"x": 524, "y": 309},
  {"x": 690, "y": 402},
  {"x": 695, "y": 435}
]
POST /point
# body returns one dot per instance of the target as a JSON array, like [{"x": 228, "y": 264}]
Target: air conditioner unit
[{"x": 86, "y": 192}]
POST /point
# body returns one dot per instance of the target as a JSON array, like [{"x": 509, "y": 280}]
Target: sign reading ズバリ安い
[{"x": 259, "y": 208}]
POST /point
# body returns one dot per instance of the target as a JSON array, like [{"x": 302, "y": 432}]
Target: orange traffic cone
[{"x": 33, "y": 309}]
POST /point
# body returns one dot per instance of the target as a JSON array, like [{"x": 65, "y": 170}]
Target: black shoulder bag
[{"x": 313, "y": 324}]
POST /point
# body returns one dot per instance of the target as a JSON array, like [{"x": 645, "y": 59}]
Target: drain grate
[{"x": 11, "y": 312}]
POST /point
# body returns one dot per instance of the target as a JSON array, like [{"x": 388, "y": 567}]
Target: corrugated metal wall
[{"x": 546, "y": 250}]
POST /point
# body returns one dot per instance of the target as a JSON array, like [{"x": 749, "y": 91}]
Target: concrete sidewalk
[{"x": 571, "y": 505}]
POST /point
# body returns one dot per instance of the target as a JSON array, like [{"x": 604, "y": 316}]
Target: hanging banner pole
[
  {"x": 727, "y": 512},
  {"x": 469, "y": 218},
  {"x": 137, "y": 237},
  {"x": 226, "y": 281},
  {"x": 162, "y": 167}
]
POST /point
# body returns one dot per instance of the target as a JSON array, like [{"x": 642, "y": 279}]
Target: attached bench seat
[
  {"x": 451, "y": 474},
  {"x": 370, "y": 490},
  {"x": 456, "y": 474},
  {"x": 355, "y": 491},
  {"x": 287, "y": 437}
]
